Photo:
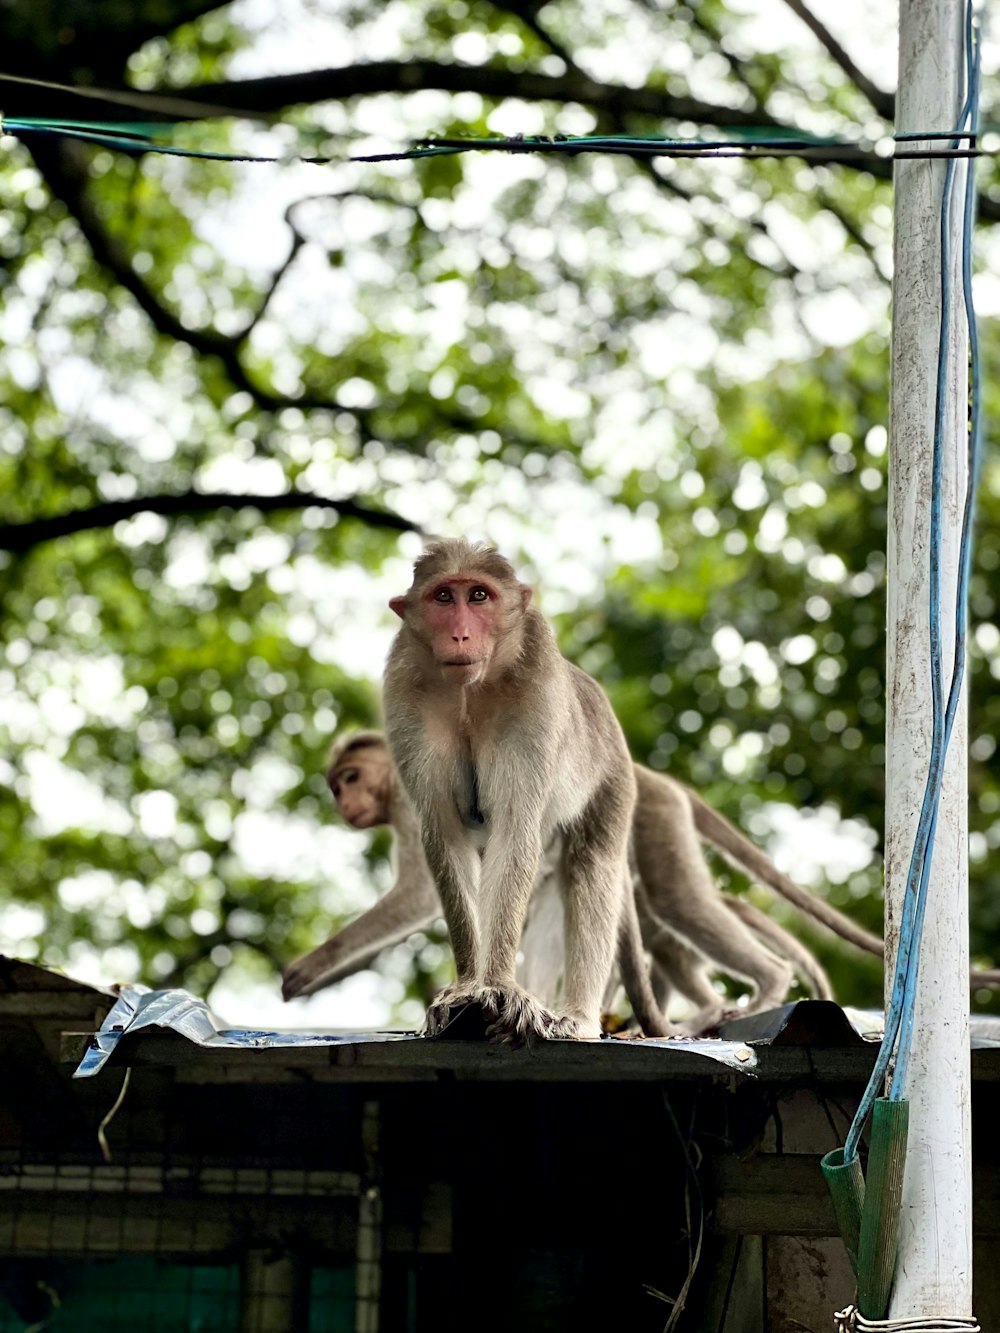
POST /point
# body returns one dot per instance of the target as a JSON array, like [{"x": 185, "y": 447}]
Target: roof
[{"x": 808, "y": 1039}]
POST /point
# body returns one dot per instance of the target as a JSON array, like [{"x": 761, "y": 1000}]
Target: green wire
[{"x": 141, "y": 136}]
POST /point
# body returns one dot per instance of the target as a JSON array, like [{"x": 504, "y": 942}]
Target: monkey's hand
[{"x": 301, "y": 976}]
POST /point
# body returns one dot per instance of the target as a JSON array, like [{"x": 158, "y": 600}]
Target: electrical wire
[{"x": 748, "y": 144}]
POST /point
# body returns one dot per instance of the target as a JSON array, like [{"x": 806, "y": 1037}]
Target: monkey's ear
[
  {"x": 525, "y": 595},
  {"x": 398, "y": 604}
]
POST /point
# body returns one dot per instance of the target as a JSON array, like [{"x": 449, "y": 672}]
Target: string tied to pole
[{"x": 849, "y": 1320}]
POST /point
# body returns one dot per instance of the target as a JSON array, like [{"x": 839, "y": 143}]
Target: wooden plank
[
  {"x": 806, "y": 1278},
  {"x": 63, "y": 1004},
  {"x": 734, "y": 1291},
  {"x": 784, "y": 1194},
  {"x": 771, "y": 1194}
]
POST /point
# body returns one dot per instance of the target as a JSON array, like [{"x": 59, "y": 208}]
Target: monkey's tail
[
  {"x": 741, "y": 853},
  {"x": 635, "y": 974},
  {"x": 806, "y": 964}
]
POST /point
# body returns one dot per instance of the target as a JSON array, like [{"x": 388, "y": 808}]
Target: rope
[
  {"x": 136, "y": 137},
  {"x": 849, "y": 1320}
]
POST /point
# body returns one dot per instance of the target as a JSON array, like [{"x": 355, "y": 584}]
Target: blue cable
[
  {"x": 965, "y": 548},
  {"x": 899, "y": 1020}
]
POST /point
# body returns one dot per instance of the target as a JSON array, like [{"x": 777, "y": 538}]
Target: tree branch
[
  {"x": 65, "y": 168},
  {"x": 277, "y": 91},
  {"x": 64, "y": 164},
  {"x": 883, "y": 102},
  {"x": 82, "y": 42},
  {"x": 618, "y": 124},
  {"x": 32, "y": 532},
  {"x": 528, "y": 15}
]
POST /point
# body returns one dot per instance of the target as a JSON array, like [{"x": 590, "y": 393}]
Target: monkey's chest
[{"x": 467, "y": 795}]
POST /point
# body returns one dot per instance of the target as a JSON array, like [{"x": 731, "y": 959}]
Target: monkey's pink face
[{"x": 461, "y": 617}]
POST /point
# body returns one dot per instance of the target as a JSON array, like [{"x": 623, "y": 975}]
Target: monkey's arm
[
  {"x": 410, "y": 906},
  {"x": 453, "y": 870}
]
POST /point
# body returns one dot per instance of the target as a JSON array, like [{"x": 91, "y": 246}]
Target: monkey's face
[
  {"x": 459, "y": 618},
  {"x": 360, "y": 786}
]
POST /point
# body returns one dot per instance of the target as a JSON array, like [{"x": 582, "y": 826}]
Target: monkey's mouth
[
  {"x": 363, "y": 819},
  {"x": 461, "y": 662}
]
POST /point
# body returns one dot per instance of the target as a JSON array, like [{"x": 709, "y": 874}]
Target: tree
[{"x": 228, "y": 388}]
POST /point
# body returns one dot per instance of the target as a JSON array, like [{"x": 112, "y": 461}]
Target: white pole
[{"x": 934, "y": 1272}]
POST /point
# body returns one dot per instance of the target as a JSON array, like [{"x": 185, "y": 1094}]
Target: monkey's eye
[
  {"x": 479, "y": 594},
  {"x": 349, "y": 775},
  {"x": 443, "y": 595}
]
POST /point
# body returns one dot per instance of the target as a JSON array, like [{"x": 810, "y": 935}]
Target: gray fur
[{"x": 552, "y": 766}]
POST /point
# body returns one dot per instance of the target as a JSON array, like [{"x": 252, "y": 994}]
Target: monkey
[
  {"x": 678, "y": 965},
  {"x": 361, "y": 778},
  {"x": 364, "y": 785},
  {"x": 504, "y": 746},
  {"x": 363, "y": 782},
  {"x": 693, "y": 819},
  {"x": 689, "y": 925},
  {"x": 675, "y": 892}
]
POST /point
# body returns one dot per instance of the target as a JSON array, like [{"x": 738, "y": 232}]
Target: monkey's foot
[
  {"x": 517, "y": 1017},
  {"x": 575, "y": 1027},
  {"x": 446, "y": 1007},
  {"x": 705, "y": 1023}
]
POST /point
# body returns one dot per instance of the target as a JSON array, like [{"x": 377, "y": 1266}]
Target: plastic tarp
[{"x": 138, "y": 1007}]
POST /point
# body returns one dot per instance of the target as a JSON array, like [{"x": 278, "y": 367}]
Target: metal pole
[{"x": 934, "y": 1272}]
